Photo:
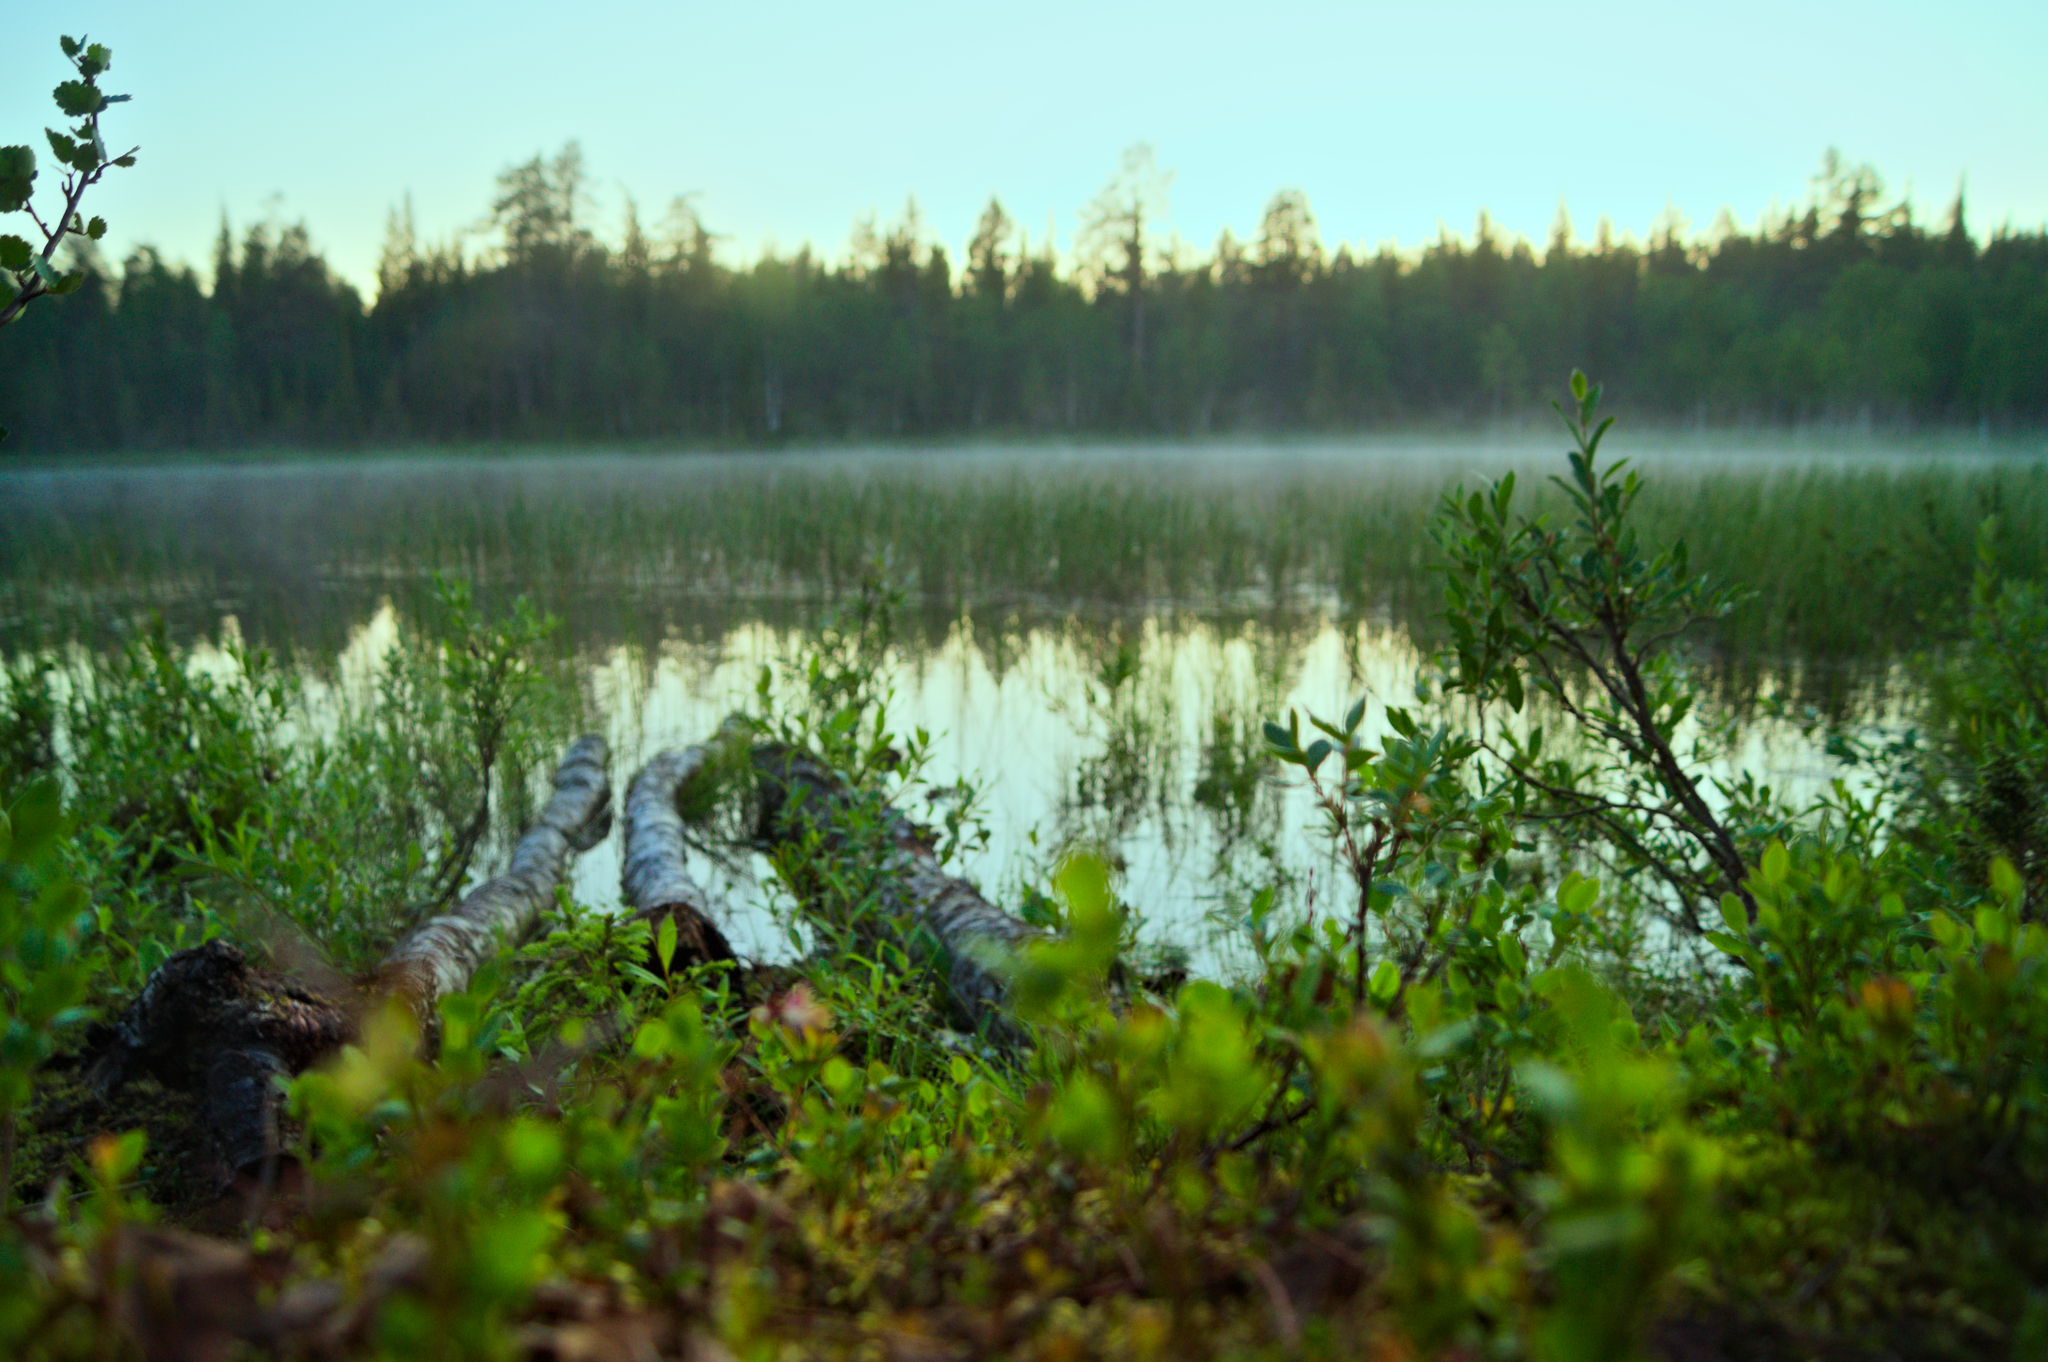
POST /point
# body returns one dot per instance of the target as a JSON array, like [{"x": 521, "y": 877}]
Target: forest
[{"x": 1843, "y": 311}]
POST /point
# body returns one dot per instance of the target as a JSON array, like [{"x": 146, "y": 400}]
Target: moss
[{"x": 65, "y": 1114}]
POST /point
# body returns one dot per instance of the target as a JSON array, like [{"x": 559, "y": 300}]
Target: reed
[{"x": 1850, "y": 566}]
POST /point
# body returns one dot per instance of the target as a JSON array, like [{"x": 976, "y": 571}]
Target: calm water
[{"x": 1092, "y": 634}]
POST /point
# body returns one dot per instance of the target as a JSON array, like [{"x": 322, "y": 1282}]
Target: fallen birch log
[
  {"x": 443, "y": 952},
  {"x": 977, "y": 941},
  {"x": 652, "y": 871},
  {"x": 657, "y": 888},
  {"x": 210, "y": 1023}
]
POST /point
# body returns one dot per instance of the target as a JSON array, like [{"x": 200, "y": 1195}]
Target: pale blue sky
[{"x": 792, "y": 119}]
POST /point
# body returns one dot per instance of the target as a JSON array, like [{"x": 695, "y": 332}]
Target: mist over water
[{"x": 1094, "y": 633}]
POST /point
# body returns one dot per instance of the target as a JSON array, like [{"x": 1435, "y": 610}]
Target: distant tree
[
  {"x": 635, "y": 253},
  {"x": 1288, "y": 251},
  {"x": 684, "y": 242},
  {"x": 1559, "y": 248},
  {"x": 398, "y": 259},
  {"x": 539, "y": 205},
  {"x": 1849, "y": 193},
  {"x": 1115, "y": 236},
  {"x": 1668, "y": 253},
  {"x": 1956, "y": 246},
  {"x": 988, "y": 252}
]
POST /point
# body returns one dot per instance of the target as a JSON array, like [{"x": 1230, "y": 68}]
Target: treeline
[{"x": 1842, "y": 311}]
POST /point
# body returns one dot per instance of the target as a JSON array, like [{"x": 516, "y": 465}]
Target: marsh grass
[{"x": 1850, "y": 565}]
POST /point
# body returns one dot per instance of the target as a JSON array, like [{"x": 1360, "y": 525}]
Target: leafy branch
[
  {"x": 83, "y": 154},
  {"x": 1584, "y": 615}
]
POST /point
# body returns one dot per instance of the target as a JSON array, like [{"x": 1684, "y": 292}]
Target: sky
[{"x": 790, "y": 120}]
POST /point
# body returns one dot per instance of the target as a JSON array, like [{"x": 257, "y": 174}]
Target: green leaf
[
  {"x": 68, "y": 283},
  {"x": 14, "y": 253},
  {"x": 1732, "y": 944},
  {"x": 1278, "y": 738},
  {"x": 70, "y": 45},
  {"x": 97, "y": 58},
  {"x": 1317, "y": 751},
  {"x": 1776, "y": 861},
  {"x": 17, "y": 177},
  {"x": 62, "y": 147},
  {"x": 1576, "y": 895},
  {"x": 1385, "y": 982},
  {"x": 1735, "y": 914},
  {"x": 96, "y": 229},
  {"x": 665, "y": 942},
  {"x": 1993, "y": 926},
  {"x": 1354, "y": 715},
  {"x": 1082, "y": 1119},
  {"x": 533, "y": 1151},
  {"x": 1446, "y": 1040},
  {"x": 2006, "y": 881},
  {"x": 78, "y": 99},
  {"x": 1513, "y": 956}
]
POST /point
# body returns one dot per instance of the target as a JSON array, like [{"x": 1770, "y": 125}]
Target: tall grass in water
[{"x": 1849, "y": 565}]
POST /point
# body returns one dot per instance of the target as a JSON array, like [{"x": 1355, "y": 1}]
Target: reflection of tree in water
[
  {"x": 1177, "y": 761},
  {"x": 1130, "y": 712},
  {"x": 1232, "y": 780}
]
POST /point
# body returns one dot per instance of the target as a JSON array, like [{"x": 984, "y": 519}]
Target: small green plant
[{"x": 465, "y": 712}]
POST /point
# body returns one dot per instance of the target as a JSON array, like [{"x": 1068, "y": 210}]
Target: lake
[{"x": 1092, "y": 633}]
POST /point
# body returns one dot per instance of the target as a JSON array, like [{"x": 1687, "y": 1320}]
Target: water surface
[{"x": 1093, "y": 633}]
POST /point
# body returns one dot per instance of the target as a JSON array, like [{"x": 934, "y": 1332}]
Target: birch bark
[{"x": 977, "y": 941}]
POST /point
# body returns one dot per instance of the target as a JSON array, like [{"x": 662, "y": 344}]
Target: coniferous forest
[{"x": 540, "y": 326}]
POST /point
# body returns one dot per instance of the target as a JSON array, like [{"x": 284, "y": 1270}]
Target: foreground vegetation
[{"x": 1591, "y": 1059}]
